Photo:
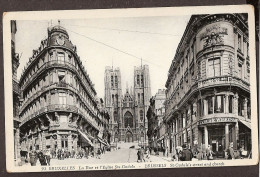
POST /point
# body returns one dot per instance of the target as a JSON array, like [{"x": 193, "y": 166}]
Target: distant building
[
  {"x": 156, "y": 125},
  {"x": 128, "y": 121},
  {"x": 208, "y": 85},
  {"x": 60, "y": 108}
]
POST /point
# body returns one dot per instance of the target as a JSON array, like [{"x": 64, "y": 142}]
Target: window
[
  {"x": 214, "y": 67},
  {"x": 113, "y": 99},
  {"x": 116, "y": 82},
  {"x": 61, "y": 76},
  {"x": 240, "y": 107},
  {"x": 52, "y": 98},
  {"x": 61, "y": 57},
  {"x": 139, "y": 98},
  {"x": 230, "y": 103},
  {"x": 70, "y": 101},
  {"x": 112, "y": 81},
  {"x": 138, "y": 80},
  {"x": 62, "y": 98},
  {"x": 219, "y": 104},
  {"x": 141, "y": 115},
  {"x": 142, "y": 80},
  {"x": 115, "y": 116},
  {"x": 239, "y": 42},
  {"x": 240, "y": 70},
  {"x": 69, "y": 78},
  {"x": 210, "y": 105},
  {"x": 64, "y": 141}
]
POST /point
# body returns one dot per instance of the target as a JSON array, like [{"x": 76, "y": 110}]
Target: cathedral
[{"x": 128, "y": 121}]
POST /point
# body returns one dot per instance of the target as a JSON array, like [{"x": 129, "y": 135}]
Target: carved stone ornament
[{"x": 60, "y": 40}]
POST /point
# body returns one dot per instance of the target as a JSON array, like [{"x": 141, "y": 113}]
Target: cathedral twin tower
[{"x": 128, "y": 122}]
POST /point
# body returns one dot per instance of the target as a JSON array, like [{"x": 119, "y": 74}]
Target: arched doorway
[
  {"x": 128, "y": 137},
  {"x": 128, "y": 118}
]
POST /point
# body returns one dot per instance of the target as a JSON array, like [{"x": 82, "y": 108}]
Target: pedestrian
[
  {"x": 200, "y": 154},
  {"x": 48, "y": 157},
  {"x": 139, "y": 155},
  {"x": 42, "y": 159},
  {"x": 186, "y": 154},
  {"x": 174, "y": 155},
  {"x": 72, "y": 153},
  {"x": 230, "y": 152},
  {"x": 148, "y": 154},
  {"x": 98, "y": 153},
  {"x": 87, "y": 153},
  {"x": 142, "y": 154},
  {"x": 166, "y": 152},
  {"x": 209, "y": 153},
  {"x": 33, "y": 159}
]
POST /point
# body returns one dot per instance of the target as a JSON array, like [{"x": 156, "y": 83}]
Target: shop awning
[
  {"x": 248, "y": 124},
  {"x": 85, "y": 137}
]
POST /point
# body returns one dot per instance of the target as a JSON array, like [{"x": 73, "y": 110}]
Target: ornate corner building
[
  {"x": 128, "y": 121},
  {"x": 59, "y": 107},
  {"x": 208, "y": 85}
]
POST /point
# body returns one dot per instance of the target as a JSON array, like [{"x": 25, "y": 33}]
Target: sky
[{"x": 120, "y": 42}]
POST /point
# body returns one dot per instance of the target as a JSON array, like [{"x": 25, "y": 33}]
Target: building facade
[
  {"x": 208, "y": 85},
  {"x": 60, "y": 108},
  {"x": 128, "y": 121},
  {"x": 16, "y": 91},
  {"x": 156, "y": 125}
]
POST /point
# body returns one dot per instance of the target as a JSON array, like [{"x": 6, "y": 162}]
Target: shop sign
[{"x": 217, "y": 120}]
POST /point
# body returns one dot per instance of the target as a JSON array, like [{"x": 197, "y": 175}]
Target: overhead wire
[{"x": 112, "y": 47}]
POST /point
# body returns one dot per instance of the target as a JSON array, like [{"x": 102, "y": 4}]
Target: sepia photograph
[{"x": 130, "y": 88}]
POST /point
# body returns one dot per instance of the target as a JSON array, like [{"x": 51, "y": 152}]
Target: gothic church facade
[{"x": 128, "y": 121}]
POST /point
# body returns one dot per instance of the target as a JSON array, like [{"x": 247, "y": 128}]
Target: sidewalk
[{"x": 161, "y": 156}]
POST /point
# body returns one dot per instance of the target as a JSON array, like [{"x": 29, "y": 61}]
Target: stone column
[
  {"x": 43, "y": 141},
  {"x": 197, "y": 134},
  {"x": 245, "y": 108},
  {"x": 52, "y": 142},
  {"x": 234, "y": 138},
  {"x": 213, "y": 104},
  {"x": 205, "y": 107},
  {"x": 17, "y": 143},
  {"x": 236, "y": 135},
  {"x": 206, "y": 136},
  {"x": 75, "y": 143},
  {"x": 226, "y": 136},
  {"x": 69, "y": 142},
  {"x": 58, "y": 141},
  {"x": 226, "y": 103},
  {"x": 40, "y": 140},
  {"x": 235, "y": 106}
]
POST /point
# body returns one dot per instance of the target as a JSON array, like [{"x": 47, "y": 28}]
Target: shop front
[{"x": 219, "y": 133}]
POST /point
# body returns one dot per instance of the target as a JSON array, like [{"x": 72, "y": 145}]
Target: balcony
[
  {"x": 49, "y": 87},
  {"x": 16, "y": 87},
  {"x": 51, "y": 64},
  {"x": 60, "y": 107},
  {"x": 224, "y": 80}
]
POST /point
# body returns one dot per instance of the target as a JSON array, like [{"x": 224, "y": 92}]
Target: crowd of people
[
  {"x": 185, "y": 153},
  {"x": 44, "y": 156}
]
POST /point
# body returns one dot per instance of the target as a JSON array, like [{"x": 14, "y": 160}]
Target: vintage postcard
[{"x": 130, "y": 88}]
